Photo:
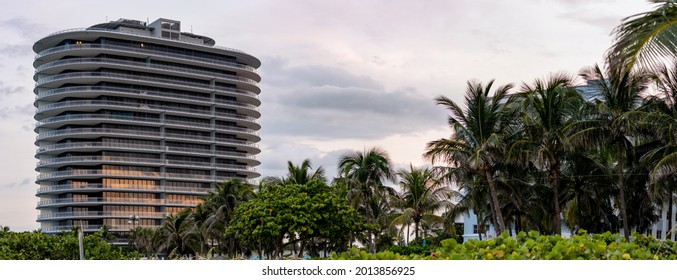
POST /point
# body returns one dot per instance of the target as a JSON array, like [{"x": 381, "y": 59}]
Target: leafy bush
[
  {"x": 413, "y": 250},
  {"x": 533, "y": 246},
  {"x": 38, "y": 246}
]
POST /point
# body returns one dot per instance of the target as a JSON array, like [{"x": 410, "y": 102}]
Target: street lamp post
[{"x": 134, "y": 220}]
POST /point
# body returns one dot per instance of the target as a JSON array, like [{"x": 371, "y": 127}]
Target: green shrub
[
  {"x": 38, "y": 246},
  {"x": 533, "y": 246}
]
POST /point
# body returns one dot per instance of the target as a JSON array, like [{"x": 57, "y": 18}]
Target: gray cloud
[
  {"x": 26, "y": 27},
  {"x": 7, "y": 90},
  {"x": 16, "y": 50},
  {"x": 328, "y": 112},
  {"x": 24, "y": 32},
  {"x": 19, "y": 112},
  {"x": 279, "y": 73},
  {"x": 274, "y": 158},
  {"x": 24, "y": 182},
  {"x": 334, "y": 103}
]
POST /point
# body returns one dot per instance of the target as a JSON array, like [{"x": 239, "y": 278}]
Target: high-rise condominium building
[{"x": 136, "y": 121}]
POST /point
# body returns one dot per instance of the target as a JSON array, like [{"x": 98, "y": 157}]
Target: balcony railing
[
  {"x": 118, "y": 200},
  {"x": 57, "y": 175},
  {"x": 110, "y": 61},
  {"x": 135, "y": 78},
  {"x": 128, "y": 105},
  {"x": 137, "y": 133},
  {"x": 113, "y": 131},
  {"x": 135, "y": 147},
  {"x": 140, "y": 120},
  {"x": 164, "y": 95},
  {"x": 214, "y": 62},
  {"x": 92, "y": 228},
  {"x": 123, "y": 187},
  {"x": 140, "y": 161},
  {"x": 101, "y": 214}
]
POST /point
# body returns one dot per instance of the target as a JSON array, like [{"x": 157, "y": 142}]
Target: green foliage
[
  {"x": 534, "y": 246},
  {"x": 38, "y": 246},
  {"x": 413, "y": 250},
  {"x": 300, "y": 212}
]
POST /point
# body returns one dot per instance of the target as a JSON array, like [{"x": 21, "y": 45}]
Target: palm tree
[
  {"x": 201, "y": 229},
  {"x": 477, "y": 134},
  {"x": 545, "y": 109},
  {"x": 142, "y": 240},
  {"x": 299, "y": 174},
  {"x": 175, "y": 234},
  {"x": 365, "y": 174},
  {"x": 420, "y": 199},
  {"x": 645, "y": 40},
  {"x": 589, "y": 198},
  {"x": 661, "y": 120},
  {"x": 222, "y": 201},
  {"x": 616, "y": 97}
]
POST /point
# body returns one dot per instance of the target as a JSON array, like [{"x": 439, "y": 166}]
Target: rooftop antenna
[
  {"x": 191, "y": 28},
  {"x": 106, "y": 18}
]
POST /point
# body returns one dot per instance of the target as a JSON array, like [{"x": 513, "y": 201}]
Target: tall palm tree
[
  {"x": 645, "y": 40},
  {"x": 661, "y": 120},
  {"x": 477, "y": 134},
  {"x": 222, "y": 201},
  {"x": 589, "y": 204},
  {"x": 365, "y": 174},
  {"x": 545, "y": 109},
  {"x": 617, "y": 98},
  {"x": 201, "y": 230},
  {"x": 420, "y": 199}
]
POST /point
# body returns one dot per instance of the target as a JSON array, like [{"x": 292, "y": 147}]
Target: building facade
[{"x": 136, "y": 121}]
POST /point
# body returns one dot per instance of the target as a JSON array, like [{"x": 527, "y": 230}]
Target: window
[{"x": 475, "y": 228}]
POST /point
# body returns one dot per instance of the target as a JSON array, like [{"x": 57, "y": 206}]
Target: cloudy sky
[{"x": 338, "y": 76}]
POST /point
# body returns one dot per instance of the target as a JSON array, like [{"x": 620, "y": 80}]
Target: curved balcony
[
  {"x": 92, "y": 119},
  {"x": 100, "y": 215},
  {"x": 92, "y": 228},
  {"x": 85, "y": 173},
  {"x": 58, "y": 66},
  {"x": 55, "y": 81},
  {"x": 98, "y": 146},
  {"x": 94, "y": 91},
  {"x": 96, "y": 160},
  {"x": 58, "y": 202},
  {"x": 92, "y": 105},
  {"x": 55, "y": 189},
  {"x": 57, "y": 135},
  {"x": 131, "y": 51}
]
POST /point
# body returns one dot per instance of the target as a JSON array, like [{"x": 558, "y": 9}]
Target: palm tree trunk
[
  {"x": 480, "y": 226},
  {"x": 408, "y": 234},
  {"x": 368, "y": 217},
  {"x": 554, "y": 178},
  {"x": 416, "y": 230},
  {"x": 669, "y": 233},
  {"x": 302, "y": 248},
  {"x": 621, "y": 187},
  {"x": 498, "y": 216}
]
